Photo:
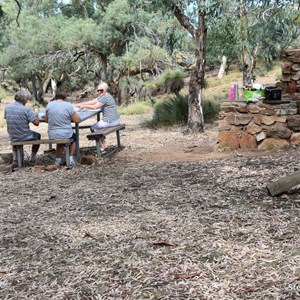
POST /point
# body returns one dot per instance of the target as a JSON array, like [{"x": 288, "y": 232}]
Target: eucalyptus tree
[
  {"x": 193, "y": 16},
  {"x": 47, "y": 42},
  {"x": 249, "y": 18},
  {"x": 223, "y": 38},
  {"x": 267, "y": 27}
]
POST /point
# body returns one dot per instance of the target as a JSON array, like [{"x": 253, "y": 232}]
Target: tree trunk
[
  {"x": 223, "y": 67},
  {"x": 46, "y": 81},
  {"x": 53, "y": 87},
  {"x": 196, "y": 85},
  {"x": 33, "y": 83},
  {"x": 3, "y": 74},
  {"x": 40, "y": 92},
  {"x": 248, "y": 63}
]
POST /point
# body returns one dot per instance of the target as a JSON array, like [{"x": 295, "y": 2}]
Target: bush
[
  {"x": 211, "y": 108},
  {"x": 171, "y": 111},
  {"x": 175, "y": 111}
]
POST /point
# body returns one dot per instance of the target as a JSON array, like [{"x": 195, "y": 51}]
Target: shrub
[
  {"x": 211, "y": 108},
  {"x": 175, "y": 111},
  {"x": 171, "y": 111}
]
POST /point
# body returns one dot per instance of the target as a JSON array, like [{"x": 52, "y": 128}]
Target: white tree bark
[{"x": 223, "y": 67}]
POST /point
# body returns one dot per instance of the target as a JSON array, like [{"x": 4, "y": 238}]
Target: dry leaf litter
[{"x": 152, "y": 224}]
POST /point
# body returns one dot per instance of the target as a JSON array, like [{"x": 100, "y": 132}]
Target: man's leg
[
  {"x": 72, "y": 149},
  {"x": 34, "y": 148},
  {"x": 15, "y": 158},
  {"x": 34, "y": 151},
  {"x": 59, "y": 153},
  {"x": 14, "y": 151},
  {"x": 102, "y": 143},
  {"x": 72, "y": 152}
]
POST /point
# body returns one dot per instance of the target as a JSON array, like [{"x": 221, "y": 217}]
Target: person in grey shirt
[
  {"x": 107, "y": 103},
  {"x": 59, "y": 115},
  {"x": 18, "y": 117}
]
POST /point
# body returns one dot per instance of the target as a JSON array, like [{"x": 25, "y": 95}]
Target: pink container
[{"x": 231, "y": 93}]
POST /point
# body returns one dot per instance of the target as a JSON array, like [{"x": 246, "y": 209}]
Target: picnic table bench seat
[
  {"x": 20, "y": 148},
  {"x": 104, "y": 132}
]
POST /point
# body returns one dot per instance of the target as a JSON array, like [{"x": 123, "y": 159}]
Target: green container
[{"x": 252, "y": 94}]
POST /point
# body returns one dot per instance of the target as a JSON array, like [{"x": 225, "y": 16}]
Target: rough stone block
[{"x": 228, "y": 139}]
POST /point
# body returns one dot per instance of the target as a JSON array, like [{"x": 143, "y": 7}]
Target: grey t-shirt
[
  {"x": 18, "y": 117},
  {"x": 59, "y": 119},
  {"x": 109, "y": 108}
]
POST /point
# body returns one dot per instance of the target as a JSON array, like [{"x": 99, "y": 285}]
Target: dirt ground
[{"x": 168, "y": 217}]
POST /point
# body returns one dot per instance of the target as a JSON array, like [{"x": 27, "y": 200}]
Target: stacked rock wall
[
  {"x": 258, "y": 125},
  {"x": 290, "y": 79},
  {"x": 265, "y": 124}
]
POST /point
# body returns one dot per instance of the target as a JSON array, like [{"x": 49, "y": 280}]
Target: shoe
[
  {"x": 32, "y": 162},
  {"x": 72, "y": 165}
]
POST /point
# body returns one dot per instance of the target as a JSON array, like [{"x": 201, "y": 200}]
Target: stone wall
[
  {"x": 265, "y": 124},
  {"x": 258, "y": 125},
  {"x": 290, "y": 79}
]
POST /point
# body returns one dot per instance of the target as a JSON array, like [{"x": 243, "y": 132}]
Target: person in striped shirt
[
  {"x": 18, "y": 117},
  {"x": 107, "y": 103}
]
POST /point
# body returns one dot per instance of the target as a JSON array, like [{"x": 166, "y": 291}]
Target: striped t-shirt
[
  {"x": 109, "y": 108},
  {"x": 18, "y": 117}
]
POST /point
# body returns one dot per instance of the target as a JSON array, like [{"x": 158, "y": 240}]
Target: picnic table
[{"x": 84, "y": 114}]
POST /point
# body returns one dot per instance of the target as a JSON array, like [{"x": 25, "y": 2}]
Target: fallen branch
[{"x": 284, "y": 184}]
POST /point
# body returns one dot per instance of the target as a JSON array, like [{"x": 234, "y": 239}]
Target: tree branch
[
  {"x": 19, "y": 11},
  {"x": 183, "y": 19}
]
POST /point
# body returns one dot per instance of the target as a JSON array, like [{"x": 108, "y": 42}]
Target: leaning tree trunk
[{"x": 196, "y": 85}]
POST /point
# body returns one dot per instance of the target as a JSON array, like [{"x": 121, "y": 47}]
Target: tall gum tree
[
  {"x": 260, "y": 20},
  {"x": 198, "y": 30}
]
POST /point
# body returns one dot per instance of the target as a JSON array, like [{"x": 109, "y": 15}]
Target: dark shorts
[
  {"x": 74, "y": 137},
  {"x": 35, "y": 136}
]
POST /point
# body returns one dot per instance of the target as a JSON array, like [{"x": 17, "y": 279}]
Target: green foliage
[
  {"x": 211, "y": 107},
  {"x": 223, "y": 39},
  {"x": 112, "y": 39},
  {"x": 175, "y": 111},
  {"x": 172, "y": 74},
  {"x": 136, "y": 108},
  {"x": 264, "y": 68},
  {"x": 171, "y": 111},
  {"x": 146, "y": 57},
  {"x": 4, "y": 93},
  {"x": 170, "y": 81}
]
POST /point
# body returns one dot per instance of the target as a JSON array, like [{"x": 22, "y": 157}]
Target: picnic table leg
[
  {"x": 77, "y": 142},
  {"x": 98, "y": 148},
  {"x": 20, "y": 156},
  {"x": 118, "y": 138},
  {"x": 67, "y": 150}
]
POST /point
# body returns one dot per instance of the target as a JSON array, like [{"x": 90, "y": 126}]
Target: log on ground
[{"x": 284, "y": 184}]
